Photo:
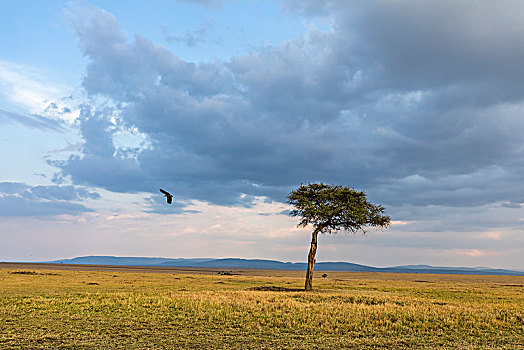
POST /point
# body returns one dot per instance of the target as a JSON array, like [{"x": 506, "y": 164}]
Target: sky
[{"x": 230, "y": 105}]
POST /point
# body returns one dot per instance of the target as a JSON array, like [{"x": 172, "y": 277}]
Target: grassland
[{"x": 116, "y": 309}]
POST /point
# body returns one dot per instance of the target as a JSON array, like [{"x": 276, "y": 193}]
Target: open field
[{"x": 46, "y": 306}]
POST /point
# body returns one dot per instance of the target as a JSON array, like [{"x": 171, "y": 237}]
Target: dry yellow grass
[{"x": 65, "y": 309}]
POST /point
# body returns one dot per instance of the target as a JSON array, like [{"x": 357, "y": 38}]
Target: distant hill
[
  {"x": 127, "y": 261},
  {"x": 233, "y": 263}
]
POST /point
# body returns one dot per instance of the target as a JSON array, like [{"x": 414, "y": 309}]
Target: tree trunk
[{"x": 311, "y": 259}]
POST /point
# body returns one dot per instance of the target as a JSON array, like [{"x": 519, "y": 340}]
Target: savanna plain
[{"x": 45, "y": 306}]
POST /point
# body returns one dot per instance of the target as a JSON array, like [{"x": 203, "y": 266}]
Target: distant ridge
[
  {"x": 127, "y": 261},
  {"x": 235, "y": 263}
]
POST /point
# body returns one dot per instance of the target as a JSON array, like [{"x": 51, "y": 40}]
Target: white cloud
[
  {"x": 475, "y": 253},
  {"x": 33, "y": 91}
]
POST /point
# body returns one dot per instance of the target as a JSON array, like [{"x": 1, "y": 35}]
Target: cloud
[
  {"x": 25, "y": 85},
  {"x": 19, "y": 206},
  {"x": 12, "y": 187},
  {"x": 419, "y": 105},
  {"x": 20, "y": 199},
  {"x": 192, "y": 38},
  {"x": 38, "y": 94},
  {"x": 511, "y": 205},
  {"x": 67, "y": 193},
  {"x": 32, "y": 121},
  {"x": 472, "y": 252}
]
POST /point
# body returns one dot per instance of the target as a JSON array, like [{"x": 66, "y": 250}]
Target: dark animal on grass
[{"x": 168, "y": 196}]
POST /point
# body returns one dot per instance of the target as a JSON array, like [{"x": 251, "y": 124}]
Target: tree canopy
[{"x": 334, "y": 207}]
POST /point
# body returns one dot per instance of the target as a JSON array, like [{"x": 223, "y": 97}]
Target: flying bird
[{"x": 168, "y": 195}]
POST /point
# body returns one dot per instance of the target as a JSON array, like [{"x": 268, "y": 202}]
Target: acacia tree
[{"x": 330, "y": 208}]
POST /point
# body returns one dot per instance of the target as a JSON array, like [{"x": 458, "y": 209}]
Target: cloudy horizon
[{"x": 231, "y": 105}]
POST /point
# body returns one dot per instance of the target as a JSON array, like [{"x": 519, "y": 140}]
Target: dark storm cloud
[
  {"x": 417, "y": 103},
  {"x": 19, "y": 199}
]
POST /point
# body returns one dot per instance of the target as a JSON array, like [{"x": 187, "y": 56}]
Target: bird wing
[
  {"x": 169, "y": 199},
  {"x": 165, "y": 192}
]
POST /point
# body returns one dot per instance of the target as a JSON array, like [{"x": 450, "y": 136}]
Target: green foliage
[{"x": 333, "y": 207}]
